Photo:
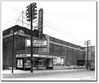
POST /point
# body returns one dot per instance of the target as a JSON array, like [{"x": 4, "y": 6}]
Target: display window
[
  {"x": 20, "y": 63},
  {"x": 27, "y": 64}
]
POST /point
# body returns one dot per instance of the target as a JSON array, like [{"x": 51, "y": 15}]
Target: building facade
[{"x": 47, "y": 52}]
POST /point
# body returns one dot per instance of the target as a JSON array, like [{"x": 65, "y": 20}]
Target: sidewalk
[
  {"x": 56, "y": 69},
  {"x": 69, "y": 67}
]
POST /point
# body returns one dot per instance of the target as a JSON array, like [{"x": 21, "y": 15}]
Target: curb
[{"x": 40, "y": 71}]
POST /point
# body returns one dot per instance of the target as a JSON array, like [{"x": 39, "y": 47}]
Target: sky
[{"x": 71, "y": 21}]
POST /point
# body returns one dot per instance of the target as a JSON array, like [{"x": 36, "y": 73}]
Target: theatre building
[{"x": 47, "y": 52}]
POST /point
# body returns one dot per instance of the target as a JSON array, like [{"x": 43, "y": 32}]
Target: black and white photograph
[{"x": 49, "y": 40}]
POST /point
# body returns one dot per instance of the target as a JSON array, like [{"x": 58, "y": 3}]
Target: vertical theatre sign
[{"x": 40, "y": 22}]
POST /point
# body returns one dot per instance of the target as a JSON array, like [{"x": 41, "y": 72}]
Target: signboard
[
  {"x": 35, "y": 55},
  {"x": 37, "y": 43},
  {"x": 19, "y": 63},
  {"x": 40, "y": 22},
  {"x": 23, "y": 55}
]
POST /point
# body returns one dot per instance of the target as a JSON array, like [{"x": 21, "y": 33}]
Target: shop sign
[{"x": 37, "y": 43}]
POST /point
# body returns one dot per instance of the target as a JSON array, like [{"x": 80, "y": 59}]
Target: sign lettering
[{"x": 37, "y": 43}]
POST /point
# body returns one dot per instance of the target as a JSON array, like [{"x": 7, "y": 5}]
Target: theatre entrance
[{"x": 24, "y": 63}]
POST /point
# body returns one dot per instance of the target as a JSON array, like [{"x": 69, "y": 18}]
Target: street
[{"x": 76, "y": 74}]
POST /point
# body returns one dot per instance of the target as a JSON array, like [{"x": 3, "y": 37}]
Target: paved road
[{"x": 59, "y": 75}]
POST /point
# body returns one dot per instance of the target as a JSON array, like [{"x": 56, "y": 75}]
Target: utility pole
[
  {"x": 31, "y": 41},
  {"x": 12, "y": 48},
  {"x": 87, "y": 50},
  {"x": 73, "y": 59},
  {"x": 31, "y": 13}
]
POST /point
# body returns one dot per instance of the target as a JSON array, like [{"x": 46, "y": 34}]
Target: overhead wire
[
  {"x": 58, "y": 29},
  {"x": 62, "y": 31},
  {"x": 25, "y": 23},
  {"x": 23, "y": 17},
  {"x": 68, "y": 33},
  {"x": 59, "y": 33},
  {"x": 18, "y": 19}
]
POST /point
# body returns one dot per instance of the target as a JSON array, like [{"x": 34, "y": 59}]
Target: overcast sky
[{"x": 72, "y": 21}]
